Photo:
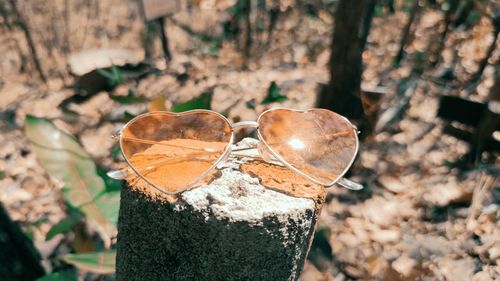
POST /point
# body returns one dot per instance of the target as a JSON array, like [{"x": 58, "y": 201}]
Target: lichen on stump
[{"x": 251, "y": 221}]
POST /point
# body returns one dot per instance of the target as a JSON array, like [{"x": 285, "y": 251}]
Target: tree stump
[{"x": 251, "y": 221}]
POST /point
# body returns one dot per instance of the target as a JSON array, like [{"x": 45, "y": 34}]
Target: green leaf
[
  {"x": 273, "y": 94},
  {"x": 59, "y": 276},
  {"x": 130, "y": 98},
  {"x": 214, "y": 48},
  {"x": 2, "y": 175},
  {"x": 127, "y": 116},
  {"x": 63, "y": 157},
  {"x": 379, "y": 11},
  {"x": 107, "y": 74},
  {"x": 117, "y": 75},
  {"x": 29, "y": 234},
  {"x": 201, "y": 102},
  {"x": 63, "y": 226},
  {"x": 116, "y": 152},
  {"x": 114, "y": 75},
  {"x": 112, "y": 185},
  {"x": 473, "y": 17},
  {"x": 97, "y": 262}
]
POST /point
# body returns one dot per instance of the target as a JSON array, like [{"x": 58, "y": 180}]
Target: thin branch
[
  {"x": 248, "y": 32},
  {"x": 448, "y": 18},
  {"x": 29, "y": 39},
  {"x": 406, "y": 32},
  {"x": 164, "y": 39}
]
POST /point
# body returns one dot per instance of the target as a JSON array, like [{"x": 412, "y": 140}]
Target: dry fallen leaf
[{"x": 405, "y": 266}]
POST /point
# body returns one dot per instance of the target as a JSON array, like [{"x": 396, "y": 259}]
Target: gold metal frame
[{"x": 224, "y": 156}]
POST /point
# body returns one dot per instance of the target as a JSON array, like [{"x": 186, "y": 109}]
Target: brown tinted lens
[
  {"x": 172, "y": 151},
  {"x": 318, "y": 142}
]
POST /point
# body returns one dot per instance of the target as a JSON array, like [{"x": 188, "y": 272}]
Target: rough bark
[
  {"x": 253, "y": 221},
  {"x": 342, "y": 94},
  {"x": 19, "y": 259}
]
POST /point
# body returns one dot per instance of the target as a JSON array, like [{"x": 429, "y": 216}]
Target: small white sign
[{"x": 154, "y": 9}]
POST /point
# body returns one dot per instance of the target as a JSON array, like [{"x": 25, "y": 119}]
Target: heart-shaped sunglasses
[{"x": 175, "y": 151}]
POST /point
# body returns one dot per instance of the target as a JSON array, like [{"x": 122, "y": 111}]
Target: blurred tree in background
[{"x": 342, "y": 94}]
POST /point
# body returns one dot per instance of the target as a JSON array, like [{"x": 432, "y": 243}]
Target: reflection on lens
[
  {"x": 174, "y": 151},
  {"x": 319, "y": 143}
]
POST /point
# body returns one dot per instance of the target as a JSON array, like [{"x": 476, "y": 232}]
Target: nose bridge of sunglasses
[{"x": 245, "y": 124}]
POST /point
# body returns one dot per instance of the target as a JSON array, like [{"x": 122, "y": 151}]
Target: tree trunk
[
  {"x": 489, "y": 122},
  {"x": 342, "y": 94},
  {"x": 253, "y": 221},
  {"x": 19, "y": 259},
  {"x": 406, "y": 33},
  {"x": 274, "y": 13},
  {"x": 247, "y": 8},
  {"x": 367, "y": 22}
]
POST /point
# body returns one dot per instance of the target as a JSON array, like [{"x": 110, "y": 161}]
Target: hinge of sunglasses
[
  {"x": 249, "y": 124},
  {"x": 117, "y": 135}
]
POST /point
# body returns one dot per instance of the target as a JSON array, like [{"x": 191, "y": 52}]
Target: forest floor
[{"x": 418, "y": 218}]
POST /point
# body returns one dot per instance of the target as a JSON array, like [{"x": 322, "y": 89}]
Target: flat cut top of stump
[{"x": 244, "y": 189}]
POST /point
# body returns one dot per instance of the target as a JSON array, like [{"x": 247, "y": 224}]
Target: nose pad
[{"x": 264, "y": 152}]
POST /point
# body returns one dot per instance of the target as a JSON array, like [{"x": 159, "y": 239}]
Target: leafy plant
[
  {"x": 130, "y": 98},
  {"x": 113, "y": 75},
  {"x": 127, "y": 116},
  {"x": 214, "y": 47},
  {"x": 59, "y": 276},
  {"x": 238, "y": 10},
  {"x": 63, "y": 157},
  {"x": 116, "y": 152},
  {"x": 112, "y": 185},
  {"x": 274, "y": 94},
  {"x": 201, "y": 102},
  {"x": 63, "y": 226},
  {"x": 98, "y": 262},
  {"x": 29, "y": 234},
  {"x": 157, "y": 103}
]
